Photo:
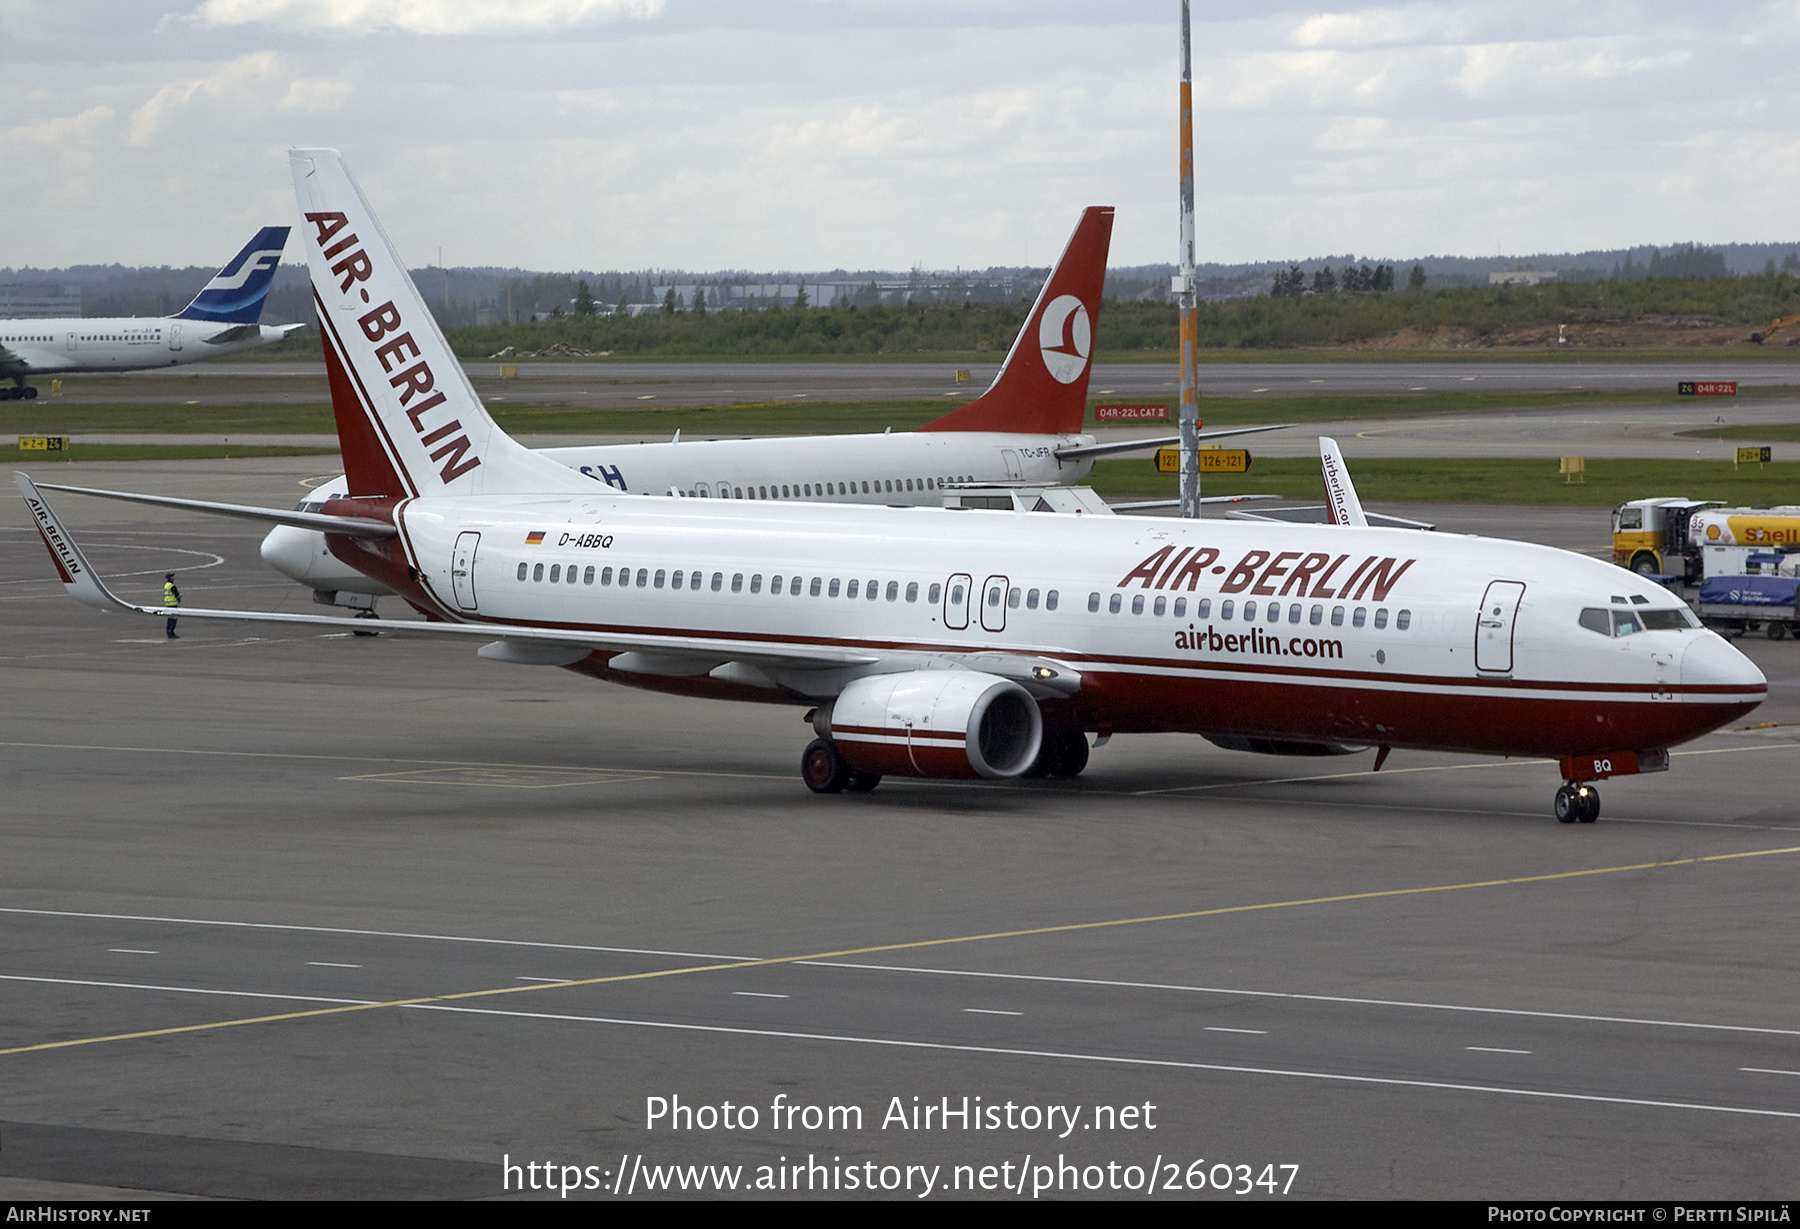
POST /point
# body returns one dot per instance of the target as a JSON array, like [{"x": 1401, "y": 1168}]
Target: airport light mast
[{"x": 1185, "y": 291}]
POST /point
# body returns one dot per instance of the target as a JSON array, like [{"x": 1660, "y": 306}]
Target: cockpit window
[{"x": 1630, "y": 622}]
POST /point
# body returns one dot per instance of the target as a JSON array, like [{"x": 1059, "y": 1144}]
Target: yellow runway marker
[{"x": 913, "y": 945}]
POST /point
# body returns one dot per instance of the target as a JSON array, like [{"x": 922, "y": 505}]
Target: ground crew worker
[{"x": 171, "y": 599}]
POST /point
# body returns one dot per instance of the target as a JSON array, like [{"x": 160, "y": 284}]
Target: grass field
[{"x": 1478, "y": 480}]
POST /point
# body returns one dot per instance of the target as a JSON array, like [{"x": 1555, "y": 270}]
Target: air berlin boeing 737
[{"x": 947, "y": 643}]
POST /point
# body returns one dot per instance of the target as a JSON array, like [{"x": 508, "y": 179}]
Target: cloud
[
  {"x": 433, "y": 17},
  {"x": 249, "y": 85}
]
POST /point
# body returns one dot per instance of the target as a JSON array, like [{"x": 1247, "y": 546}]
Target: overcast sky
[{"x": 815, "y": 134}]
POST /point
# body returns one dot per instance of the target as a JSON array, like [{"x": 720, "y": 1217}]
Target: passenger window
[
  {"x": 569, "y": 577},
  {"x": 1317, "y": 616},
  {"x": 675, "y": 580},
  {"x": 523, "y": 568},
  {"x": 912, "y": 591},
  {"x": 555, "y": 572},
  {"x": 816, "y": 587},
  {"x": 1137, "y": 604},
  {"x": 1093, "y": 603},
  {"x": 1357, "y": 618},
  {"x": 1249, "y": 612},
  {"x": 1294, "y": 613},
  {"x": 755, "y": 583},
  {"x": 1380, "y": 617},
  {"x": 1012, "y": 599},
  {"x": 850, "y": 592},
  {"x": 718, "y": 581},
  {"x": 1113, "y": 604},
  {"x": 836, "y": 585},
  {"x": 606, "y": 576},
  {"x": 1274, "y": 612},
  {"x": 1225, "y": 609},
  {"x": 1162, "y": 604},
  {"x": 934, "y": 593},
  {"x": 1403, "y": 620},
  {"x": 537, "y": 572},
  {"x": 794, "y": 587},
  {"x": 1337, "y": 616},
  {"x": 659, "y": 578},
  {"x": 774, "y": 585},
  {"x": 893, "y": 593},
  {"x": 1050, "y": 600},
  {"x": 587, "y": 577},
  {"x": 737, "y": 582},
  {"x": 1031, "y": 600},
  {"x": 872, "y": 590}
]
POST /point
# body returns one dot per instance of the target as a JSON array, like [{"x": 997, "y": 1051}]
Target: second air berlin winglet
[
  {"x": 72, "y": 567},
  {"x": 1341, "y": 504},
  {"x": 1042, "y": 386}
]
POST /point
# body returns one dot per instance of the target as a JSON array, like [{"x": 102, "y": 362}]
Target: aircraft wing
[
  {"x": 1320, "y": 514},
  {"x": 524, "y": 644},
  {"x": 1079, "y": 452},
  {"x": 1152, "y": 505},
  {"x": 351, "y": 526},
  {"x": 11, "y": 361}
]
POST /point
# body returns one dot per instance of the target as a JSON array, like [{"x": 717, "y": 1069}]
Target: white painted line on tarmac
[
  {"x": 1215, "y": 1028},
  {"x": 1304, "y": 998},
  {"x": 371, "y": 934},
  {"x": 1122, "y": 1061},
  {"x": 331, "y": 964},
  {"x": 1768, "y": 1071},
  {"x": 230, "y": 994},
  {"x": 133, "y": 951},
  {"x": 552, "y": 981},
  {"x": 989, "y": 1011},
  {"x": 757, "y": 994},
  {"x": 1494, "y": 1050}
]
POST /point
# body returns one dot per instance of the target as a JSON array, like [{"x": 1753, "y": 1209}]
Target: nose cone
[
  {"x": 293, "y": 552},
  {"x": 1710, "y": 662}
]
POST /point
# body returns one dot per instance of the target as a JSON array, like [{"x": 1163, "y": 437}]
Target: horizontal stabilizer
[{"x": 1081, "y": 452}]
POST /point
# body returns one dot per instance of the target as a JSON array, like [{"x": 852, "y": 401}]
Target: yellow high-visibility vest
[{"x": 169, "y": 597}]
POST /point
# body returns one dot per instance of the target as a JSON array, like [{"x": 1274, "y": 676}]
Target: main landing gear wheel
[
  {"x": 1577, "y": 804},
  {"x": 1071, "y": 755},
  {"x": 367, "y": 614},
  {"x": 823, "y": 769},
  {"x": 862, "y": 782}
]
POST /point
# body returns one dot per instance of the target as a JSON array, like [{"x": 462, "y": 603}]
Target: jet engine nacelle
[{"x": 936, "y": 723}]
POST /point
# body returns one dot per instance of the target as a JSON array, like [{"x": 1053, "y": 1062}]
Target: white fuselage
[
  {"x": 1295, "y": 632},
  {"x": 913, "y": 468},
  {"x": 127, "y": 343}
]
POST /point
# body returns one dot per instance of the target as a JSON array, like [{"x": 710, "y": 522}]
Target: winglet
[
  {"x": 78, "y": 575},
  {"x": 1341, "y": 503}
]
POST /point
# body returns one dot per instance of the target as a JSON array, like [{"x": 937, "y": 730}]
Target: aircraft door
[
  {"x": 1494, "y": 625},
  {"x": 175, "y": 336},
  {"x": 993, "y": 603},
  {"x": 956, "y": 602},
  {"x": 462, "y": 569},
  {"x": 1011, "y": 457}
]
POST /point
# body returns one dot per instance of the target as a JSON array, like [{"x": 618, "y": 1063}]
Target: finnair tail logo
[
  {"x": 259, "y": 262},
  {"x": 1065, "y": 338}
]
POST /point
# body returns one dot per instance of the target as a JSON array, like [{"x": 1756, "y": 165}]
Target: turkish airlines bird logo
[{"x": 1065, "y": 337}]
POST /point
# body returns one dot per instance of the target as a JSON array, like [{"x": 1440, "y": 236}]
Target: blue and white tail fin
[
  {"x": 236, "y": 293},
  {"x": 408, "y": 420}
]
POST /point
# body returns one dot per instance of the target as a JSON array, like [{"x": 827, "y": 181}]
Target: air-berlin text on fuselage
[
  {"x": 414, "y": 381},
  {"x": 1300, "y": 573}
]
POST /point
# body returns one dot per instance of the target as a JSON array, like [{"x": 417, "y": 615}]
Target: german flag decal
[{"x": 535, "y": 538}]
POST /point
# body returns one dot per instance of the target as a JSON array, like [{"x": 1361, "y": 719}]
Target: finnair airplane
[
  {"x": 1026, "y": 429},
  {"x": 934, "y": 642},
  {"x": 221, "y": 320}
]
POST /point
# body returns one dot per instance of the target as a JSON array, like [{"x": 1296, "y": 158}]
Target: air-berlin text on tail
[
  {"x": 1259, "y": 570},
  {"x": 383, "y": 321}
]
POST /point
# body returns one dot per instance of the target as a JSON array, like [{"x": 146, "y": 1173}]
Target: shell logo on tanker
[{"x": 1761, "y": 532}]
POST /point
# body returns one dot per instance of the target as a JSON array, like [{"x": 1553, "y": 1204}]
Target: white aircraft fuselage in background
[
  {"x": 221, "y": 320},
  {"x": 944, "y": 643}
]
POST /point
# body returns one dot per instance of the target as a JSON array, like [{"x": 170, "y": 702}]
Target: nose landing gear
[{"x": 1577, "y": 802}]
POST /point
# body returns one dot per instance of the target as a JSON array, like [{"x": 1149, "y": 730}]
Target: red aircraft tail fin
[{"x": 1042, "y": 386}]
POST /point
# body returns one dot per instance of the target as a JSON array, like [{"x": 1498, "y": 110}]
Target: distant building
[
  {"x": 487, "y": 317},
  {"x": 36, "y": 301},
  {"x": 1521, "y": 275}
]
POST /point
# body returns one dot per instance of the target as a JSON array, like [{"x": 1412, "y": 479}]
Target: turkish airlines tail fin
[
  {"x": 1042, "y": 386},
  {"x": 1341, "y": 504},
  {"x": 236, "y": 293},
  {"x": 408, "y": 420}
]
